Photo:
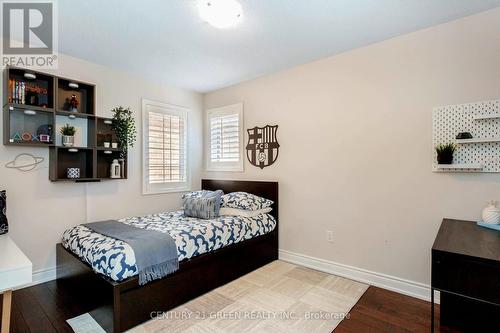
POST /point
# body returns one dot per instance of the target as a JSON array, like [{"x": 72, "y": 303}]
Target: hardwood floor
[
  {"x": 380, "y": 310},
  {"x": 43, "y": 308}
]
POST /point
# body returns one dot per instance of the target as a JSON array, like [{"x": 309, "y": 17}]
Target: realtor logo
[
  {"x": 263, "y": 146},
  {"x": 29, "y": 36}
]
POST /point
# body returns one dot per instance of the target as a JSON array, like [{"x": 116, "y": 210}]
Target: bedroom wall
[
  {"x": 39, "y": 210},
  {"x": 356, "y": 144}
]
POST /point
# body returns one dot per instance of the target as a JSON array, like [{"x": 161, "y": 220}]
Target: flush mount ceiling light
[{"x": 220, "y": 13}]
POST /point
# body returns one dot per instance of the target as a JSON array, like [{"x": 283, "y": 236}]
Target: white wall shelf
[
  {"x": 481, "y": 153},
  {"x": 486, "y": 116},
  {"x": 458, "y": 167},
  {"x": 478, "y": 140}
]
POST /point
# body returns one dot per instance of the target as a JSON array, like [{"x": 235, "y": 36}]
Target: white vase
[
  {"x": 491, "y": 213},
  {"x": 68, "y": 140}
]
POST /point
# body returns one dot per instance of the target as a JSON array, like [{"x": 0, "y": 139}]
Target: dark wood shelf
[
  {"x": 110, "y": 149},
  {"x": 76, "y": 114},
  {"x": 78, "y": 180},
  {"x": 29, "y": 107},
  {"x": 29, "y": 144},
  {"x": 74, "y": 147}
]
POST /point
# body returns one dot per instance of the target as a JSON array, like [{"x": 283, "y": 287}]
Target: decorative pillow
[
  {"x": 202, "y": 204},
  {"x": 243, "y": 212},
  {"x": 4, "y": 226},
  {"x": 201, "y": 194},
  {"x": 244, "y": 200}
]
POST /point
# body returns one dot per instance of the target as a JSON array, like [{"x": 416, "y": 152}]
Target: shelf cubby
[
  {"x": 104, "y": 132},
  {"x": 62, "y": 158},
  {"x": 28, "y": 88},
  {"x": 105, "y": 157},
  {"x": 28, "y": 127},
  {"x": 84, "y": 93},
  {"x": 85, "y": 130}
]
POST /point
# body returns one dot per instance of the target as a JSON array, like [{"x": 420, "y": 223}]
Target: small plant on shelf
[
  {"x": 445, "y": 153},
  {"x": 124, "y": 127},
  {"x": 68, "y": 135}
]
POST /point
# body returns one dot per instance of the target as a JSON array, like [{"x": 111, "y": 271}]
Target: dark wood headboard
[{"x": 268, "y": 190}]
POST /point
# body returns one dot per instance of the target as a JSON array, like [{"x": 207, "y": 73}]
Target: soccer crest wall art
[{"x": 263, "y": 147}]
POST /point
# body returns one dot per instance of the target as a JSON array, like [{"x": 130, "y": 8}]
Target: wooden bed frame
[{"x": 118, "y": 306}]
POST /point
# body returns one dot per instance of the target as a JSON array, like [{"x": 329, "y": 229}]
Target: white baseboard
[
  {"x": 43, "y": 275},
  {"x": 402, "y": 286}
]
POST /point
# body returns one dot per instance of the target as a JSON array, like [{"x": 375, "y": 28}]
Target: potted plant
[
  {"x": 68, "y": 135},
  {"x": 445, "y": 153},
  {"x": 124, "y": 127}
]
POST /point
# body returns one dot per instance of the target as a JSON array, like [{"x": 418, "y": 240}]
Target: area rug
[
  {"x": 85, "y": 324},
  {"x": 279, "y": 297}
]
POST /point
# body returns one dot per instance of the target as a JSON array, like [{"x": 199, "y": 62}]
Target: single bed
[
  {"x": 193, "y": 237},
  {"x": 211, "y": 253}
]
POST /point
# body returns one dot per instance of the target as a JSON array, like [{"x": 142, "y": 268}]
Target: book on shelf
[{"x": 23, "y": 93}]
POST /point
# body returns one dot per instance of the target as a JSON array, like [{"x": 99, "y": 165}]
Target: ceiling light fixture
[{"x": 220, "y": 13}]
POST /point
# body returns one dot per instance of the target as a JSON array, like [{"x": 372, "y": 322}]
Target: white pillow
[{"x": 243, "y": 212}]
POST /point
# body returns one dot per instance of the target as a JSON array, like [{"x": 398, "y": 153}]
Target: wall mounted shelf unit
[
  {"x": 479, "y": 154},
  {"x": 37, "y": 105}
]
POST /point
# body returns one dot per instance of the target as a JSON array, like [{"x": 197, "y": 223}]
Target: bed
[{"x": 112, "y": 294}]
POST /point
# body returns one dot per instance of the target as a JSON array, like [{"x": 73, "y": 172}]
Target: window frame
[
  {"x": 226, "y": 110},
  {"x": 172, "y": 110}
]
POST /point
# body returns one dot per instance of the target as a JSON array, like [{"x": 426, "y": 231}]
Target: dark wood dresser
[{"x": 466, "y": 271}]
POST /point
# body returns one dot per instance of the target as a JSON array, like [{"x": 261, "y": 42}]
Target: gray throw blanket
[{"x": 155, "y": 252}]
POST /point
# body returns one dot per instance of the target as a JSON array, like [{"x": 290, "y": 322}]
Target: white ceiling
[{"x": 166, "y": 41}]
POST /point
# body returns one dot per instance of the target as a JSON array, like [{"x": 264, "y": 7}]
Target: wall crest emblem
[{"x": 263, "y": 147}]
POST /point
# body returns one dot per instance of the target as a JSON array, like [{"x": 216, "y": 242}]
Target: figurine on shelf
[
  {"x": 73, "y": 104},
  {"x": 115, "y": 169}
]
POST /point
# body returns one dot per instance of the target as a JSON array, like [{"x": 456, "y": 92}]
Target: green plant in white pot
[
  {"x": 124, "y": 127},
  {"x": 68, "y": 135}
]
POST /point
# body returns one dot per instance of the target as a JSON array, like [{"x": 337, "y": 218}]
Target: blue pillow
[
  {"x": 201, "y": 194},
  {"x": 202, "y": 204},
  {"x": 246, "y": 201}
]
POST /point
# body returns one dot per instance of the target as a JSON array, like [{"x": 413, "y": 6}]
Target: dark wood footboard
[{"x": 118, "y": 306}]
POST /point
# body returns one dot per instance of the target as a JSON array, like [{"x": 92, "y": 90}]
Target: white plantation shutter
[
  {"x": 225, "y": 141},
  {"x": 165, "y": 149},
  {"x": 225, "y": 136}
]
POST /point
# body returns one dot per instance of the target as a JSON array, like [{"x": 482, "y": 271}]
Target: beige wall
[
  {"x": 39, "y": 210},
  {"x": 356, "y": 144}
]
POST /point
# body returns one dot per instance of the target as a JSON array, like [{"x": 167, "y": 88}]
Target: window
[
  {"x": 225, "y": 138},
  {"x": 164, "y": 148}
]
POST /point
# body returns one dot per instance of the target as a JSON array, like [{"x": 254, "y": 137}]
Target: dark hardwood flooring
[{"x": 43, "y": 308}]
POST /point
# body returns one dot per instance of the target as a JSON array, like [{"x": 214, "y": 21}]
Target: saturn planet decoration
[{"x": 24, "y": 162}]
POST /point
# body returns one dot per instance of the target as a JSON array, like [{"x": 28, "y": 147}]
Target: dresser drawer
[{"x": 466, "y": 276}]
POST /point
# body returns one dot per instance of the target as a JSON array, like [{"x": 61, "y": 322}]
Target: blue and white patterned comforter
[{"x": 115, "y": 258}]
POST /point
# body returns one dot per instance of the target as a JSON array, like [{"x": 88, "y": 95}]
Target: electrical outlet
[{"x": 329, "y": 236}]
